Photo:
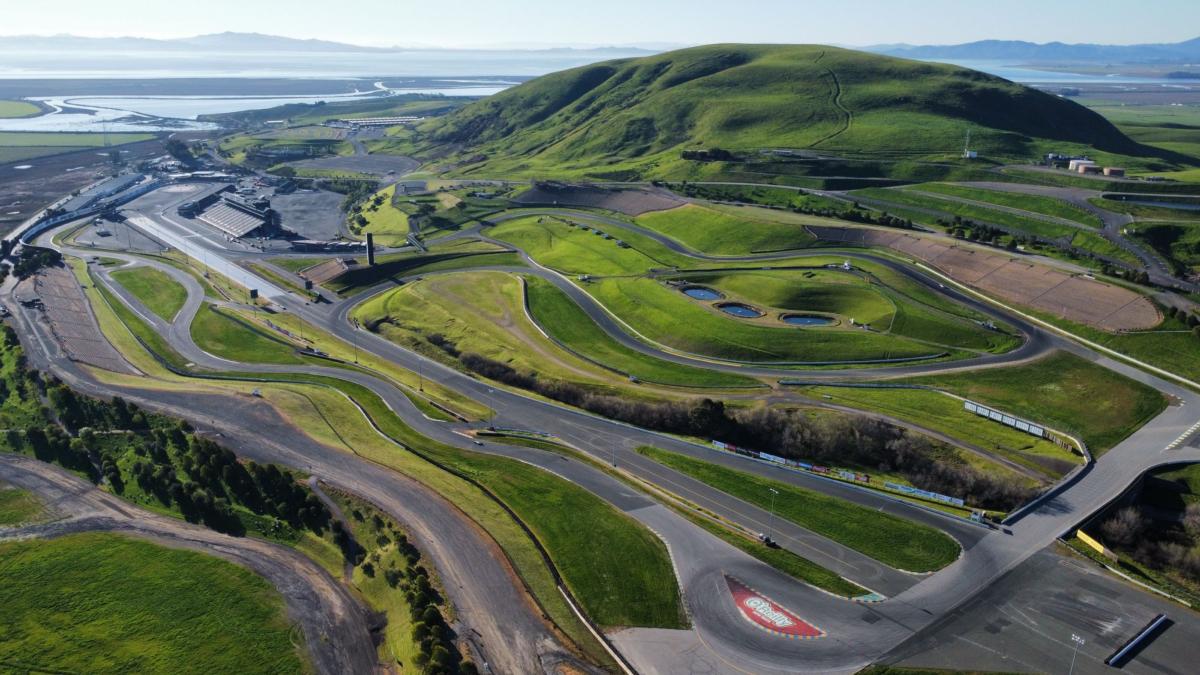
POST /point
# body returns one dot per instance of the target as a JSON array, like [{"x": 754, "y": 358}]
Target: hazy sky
[{"x": 477, "y": 23}]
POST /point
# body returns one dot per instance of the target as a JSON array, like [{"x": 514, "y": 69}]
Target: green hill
[{"x": 639, "y": 115}]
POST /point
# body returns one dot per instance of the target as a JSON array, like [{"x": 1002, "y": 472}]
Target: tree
[{"x": 1125, "y": 527}]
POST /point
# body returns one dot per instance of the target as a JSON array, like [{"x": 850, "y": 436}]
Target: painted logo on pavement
[{"x": 767, "y": 615}]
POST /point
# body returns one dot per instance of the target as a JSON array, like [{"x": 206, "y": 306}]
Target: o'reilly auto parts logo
[{"x": 767, "y": 615}]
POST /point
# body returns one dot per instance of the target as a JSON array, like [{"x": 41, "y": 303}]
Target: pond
[
  {"x": 740, "y": 310},
  {"x": 806, "y": 320},
  {"x": 702, "y": 293}
]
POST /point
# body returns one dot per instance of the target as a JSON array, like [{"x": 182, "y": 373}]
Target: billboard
[{"x": 1005, "y": 419}]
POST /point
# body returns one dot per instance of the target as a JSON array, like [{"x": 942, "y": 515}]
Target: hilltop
[{"x": 640, "y": 115}]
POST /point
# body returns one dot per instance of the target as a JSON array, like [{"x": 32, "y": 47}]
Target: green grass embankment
[
  {"x": 889, "y": 539},
  {"x": 107, "y": 603}
]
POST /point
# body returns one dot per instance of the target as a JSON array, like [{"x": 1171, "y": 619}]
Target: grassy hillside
[{"x": 638, "y": 115}]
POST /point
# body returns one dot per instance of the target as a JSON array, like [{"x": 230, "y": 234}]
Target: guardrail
[{"x": 1118, "y": 657}]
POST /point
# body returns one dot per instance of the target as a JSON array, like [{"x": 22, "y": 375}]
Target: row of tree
[{"x": 848, "y": 440}]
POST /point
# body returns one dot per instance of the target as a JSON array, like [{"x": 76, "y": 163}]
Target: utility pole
[
  {"x": 1079, "y": 642},
  {"x": 771, "y": 523}
]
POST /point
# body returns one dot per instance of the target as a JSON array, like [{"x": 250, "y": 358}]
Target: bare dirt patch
[
  {"x": 1014, "y": 279},
  {"x": 631, "y": 202}
]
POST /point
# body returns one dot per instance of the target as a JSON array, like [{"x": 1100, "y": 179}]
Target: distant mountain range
[
  {"x": 249, "y": 42},
  {"x": 1050, "y": 52}
]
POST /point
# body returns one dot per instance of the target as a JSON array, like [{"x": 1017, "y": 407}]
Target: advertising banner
[{"x": 767, "y": 615}]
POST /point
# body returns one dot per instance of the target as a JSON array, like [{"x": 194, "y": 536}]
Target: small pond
[
  {"x": 740, "y": 310},
  {"x": 806, "y": 320},
  {"x": 702, "y": 293}
]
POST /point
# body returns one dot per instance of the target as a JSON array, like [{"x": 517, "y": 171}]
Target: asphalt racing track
[{"x": 722, "y": 639}]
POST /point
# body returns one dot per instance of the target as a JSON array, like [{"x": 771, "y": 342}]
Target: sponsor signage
[
  {"x": 767, "y": 615},
  {"x": 1005, "y": 419},
  {"x": 935, "y": 496},
  {"x": 793, "y": 464}
]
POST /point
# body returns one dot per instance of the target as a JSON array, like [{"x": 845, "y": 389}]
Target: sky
[{"x": 652, "y": 23}]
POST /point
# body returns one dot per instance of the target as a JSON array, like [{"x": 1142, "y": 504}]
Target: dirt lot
[
  {"x": 629, "y": 202},
  {"x": 26, "y": 191},
  {"x": 1015, "y": 279}
]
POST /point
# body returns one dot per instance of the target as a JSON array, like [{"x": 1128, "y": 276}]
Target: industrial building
[
  {"x": 364, "y": 122},
  {"x": 103, "y": 190}
]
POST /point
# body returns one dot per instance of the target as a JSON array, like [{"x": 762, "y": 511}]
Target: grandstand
[{"x": 232, "y": 221}]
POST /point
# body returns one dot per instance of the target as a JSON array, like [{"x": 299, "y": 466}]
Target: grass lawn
[
  {"x": 618, "y": 569},
  {"x": 889, "y": 539},
  {"x": 1048, "y": 206},
  {"x": 155, "y": 289},
  {"x": 1147, "y": 211},
  {"x": 388, "y": 223},
  {"x": 559, "y": 316},
  {"x": 107, "y": 603},
  {"x": 784, "y": 560},
  {"x": 460, "y": 255},
  {"x": 1063, "y": 391},
  {"x": 222, "y": 335},
  {"x": 860, "y": 297},
  {"x": 718, "y": 233},
  {"x": 18, "y": 506},
  {"x": 10, "y": 109},
  {"x": 939, "y": 412},
  {"x": 480, "y": 312},
  {"x": 667, "y": 316},
  {"x": 565, "y": 246},
  {"x": 1079, "y": 238}
]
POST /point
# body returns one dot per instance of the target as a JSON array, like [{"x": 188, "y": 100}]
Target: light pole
[
  {"x": 492, "y": 417},
  {"x": 771, "y": 523},
  {"x": 1079, "y": 642}
]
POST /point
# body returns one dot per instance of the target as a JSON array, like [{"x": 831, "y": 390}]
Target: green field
[
  {"x": 105, "y": 603},
  {"x": 462, "y": 254},
  {"x": 566, "y": 322},
  {"x": 618, "y": 569},
  {"x": 718, "y": 233},
  {"x": 17, "y": 146},
  {"x": 383, "y": 219},
  {"x": 664, "y": 315},
  {"x": 18, "y": 506},
  {"x": 939, "y": 412},
  {"x": 889, "y": 539},
  {"x": 1148, "y": 211},
  {"x": 155, "y": 289},
  {"x": 1062, "y": 391},
  {"x": 1047, "y": 206},
  {"x": 1082, "y": 239},
  {"x": 220, "y": 334},
  {"x": 859, "y": 297},
  {"x": 10, "y": 109}
]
